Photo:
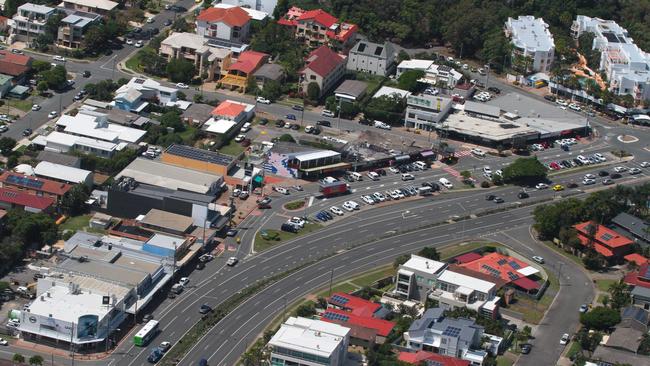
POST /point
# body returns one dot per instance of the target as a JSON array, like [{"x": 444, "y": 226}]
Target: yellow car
[{"x": 558, "y": 187}]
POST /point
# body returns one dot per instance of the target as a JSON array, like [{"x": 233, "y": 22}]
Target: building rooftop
[
  {"x": 38, "y": 184},
  {"x": 13, "y": 64},
  {"x": 270, "y": 71},
  {"x": 62, "y": 172},
  {"x": 254, "y": 14},
  {"x": 57, "y": 158},
  {"x": 319, "y": 16},
  {"x": 604, "y": 235},
  {"x": 164, "y": 219},
  {"x": 466, "y": 281},
  {"x": 169, "y": 176},
  {"x": 229, "y": 108},
  {"x": 354, "y": 304},
  {"x": 428, "y": 358},
  {"x": 166, "y": 241},
  {"x": 105, "y": 5},
  {"x": 198, "y": 113},
  {"x": 35, "y": 8},
  {"x": 183, "y": 39},
  {"x": 389, "y": 91},
  {"x": 530, "y": 33},
  {"x": 249, "y": 61},
  {"x": 95, "y": 125},
  {"x": 368, "y": 48},
  {"x": 383, "y": 327},
  {"x": 219, "y": 126},
  {"x": 194, "y": 153},
  {"x": 488, "y": 130},
  {"x": 68, "y": 140},
  {"x": 310, "y": 336},
  {"x": 423, "y": 264},
  {"x": 482, "y": 109},
  {"x": 433, "y": 324},
  {"x": 323, "y": 61},
  {"x": 14, "y": 197},
  {"x": 65, "y": 306},
  {"x": 497, "y": 265},
  {"x": 632, "y": 224},
  {"x": 351, "y": 89},
  {"x": 80, "y": 19},
  {"x": 415, "y": 64},
  {"x": 234, "y": 16}
]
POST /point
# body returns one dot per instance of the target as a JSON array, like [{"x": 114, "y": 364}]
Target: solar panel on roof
[
  {"x": 434, "y": 363},
  {"x": 24, "y": 181},
  {"x": 451, "y": 332},
  {"x": 502, "y": 261},
  {"x": 336, "y": 316},
  {"x": 378, "y": 51},
  {"x": 339, "y": 299},
  {"x": 512, "y": 276},
  {"x": 138, "y": 81},
  {"x": 362, "y": 47},
  {"x": 514, "y": 265},
  {"x": 491, "y": 270},
  {"x": 199, "y": 154},
  {"x": 606, "y": 236}
]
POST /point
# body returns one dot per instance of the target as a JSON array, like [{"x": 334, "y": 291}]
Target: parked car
[
  {"x": 327, "y": 113},
  {"x": 526, "y": 348},
  {"x": 324, "y": 123},
  {"x": 297, "y": 107},
  {"x": 523, "y": 195},
  {"x": 478, "y": 152},
  {"x": 182, "y": 86},
  {"x": 263, "y": 100},
  {"x": 52, "y": 114},
  {"x": 204, "y": 309},
  {"x": 291, "y": 117},
  {"x": 27, "y": 132},
  {"x": 232, "y": 261},
  {"x": 541, "y": 186},
  {"x": 337, "y": 211},
  {"x": 538, "y": 259},
  {"x": 58, "y": 58},
  {"x": 583, "y": 308},
  {"x": 565, "y": 339},
  {"x": 634, "y": 171}
]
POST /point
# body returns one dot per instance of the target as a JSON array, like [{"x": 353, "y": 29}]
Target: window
[{"x": 312, "y": 77}]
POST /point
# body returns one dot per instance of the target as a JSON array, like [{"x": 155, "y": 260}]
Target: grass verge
[
  {"x": 233, "y": 148},
  {"x": 504, "y": 361},
  {"x": 533, "y": 310},
  {"x": 603, "y": 285},
  {"x": 262, "y": 244},
  {"x": 24, "y": 105},
  {"x": 75, "y": 223},
  {"x": 566, "y": 254},
  {"x": 574, "y": 348},
  {"x": 133, "y": 63}
]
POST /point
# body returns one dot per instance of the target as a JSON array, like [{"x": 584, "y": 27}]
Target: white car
[
  {"x": 382, "y": 125},
  {"x": 487, "y": 170},
  {"x": 36, "y": 107},
  {"x": 3, "y": 342},
  {"x": 575, "y": 107},
  {"x": 297, "y": 221},
  {"x": 478, "y": 152},
  {"x": 52, "y": 114},
  {"x": 352, "y": 204},
  {"x": 129, "y": 42},
  {"x": 58, "y": 58},
  {"x": 394, "y": 195},
  {"x": 600, "y": 157},
  {"x": 396, "y": 171},
  {"x": 327, "y": 113},
  {"x": 446, "y": 183},
  {"x": 634, "y": 171},
  {"x": 150, "y": 20},
  {"x": 499, "y": 172},
  {"x": 240, "y": 138},
  {"x": 373, "y": 176},
  {"x": 408, "y": 176},
  {"x": 378, "y": 197},
  {"x": 263, "y": 100},
  {"x": 232, "y": 261},
  {"x": 367, "y": 199},
  {"x": 337, "y": 211},
  {"x": 583, "y": 159},
  {"x": 589, "y": 176},
  {"x": 541, "y": 186},
  {"x": 281, "y": 190},
  {"x": 565, "y": 339},
  {"x": 561, "y": 102},
  {"x": 620, "y": 169},
  {"x": 347, "y": 206},
  {"x": 182, "y": 86},
  {"x": 644, "y": 164},
  {"x": 184, "y": 281},
  {"x": 588, "y": 182}
]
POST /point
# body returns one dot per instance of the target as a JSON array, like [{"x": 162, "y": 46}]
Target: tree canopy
[
  {"x": 408, "y": 80},
  {"x": 600, "y": 318},
  {"x": 524, "y": 171},
  {"x": 180, "y": 70}
]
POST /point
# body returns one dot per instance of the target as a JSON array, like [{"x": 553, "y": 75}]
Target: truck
[{"x": 333, "y": 188}]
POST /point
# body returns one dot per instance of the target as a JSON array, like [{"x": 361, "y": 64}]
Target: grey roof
[
  {"x": 198, "y": 112},
  {"x": 613, "y": 356},
  {"x": 434, "y": 320},
  {"x": 632, "y": 224},
  {"x": 640, "y": 291},
  {"x": 483, "y": 109},
  {"x": 373, "y": 49},
  {"x": 353, "y": 88},
  {"x": 270, "y": 71},
  {"x": 58, "y": 158},
  {"x": 161, "y": 192},
  {"x": 120, "y": 116},
  {"x": 429, "y": 316},
  {"x": 194, "y": 153},
  {"x": 634, "y": 316},
  {"x": 625, "y": 338}
]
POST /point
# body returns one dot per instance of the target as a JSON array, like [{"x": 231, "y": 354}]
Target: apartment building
[
  {"x": 194, "y": 48},
  {"x": 324, "y": 67},
  {"x": 317, "y": 27},
  {"x": 73, "y": 27},
  {"x": 101, "y": 7},
  {"x": 231, "y": 24},
  {"x": 266, "y": 6},
  {"x": 29, "y": 21},
  {"x": 626, "y": 66},
  {"x": 370, "y": 57},
  {"x": 416, "y": 277},
  {"x": 454, "y": 289},
  {"x": 532, "y": 39},
  {"x": 426, "y": 112},
  {"x": 135, "y": 95}
]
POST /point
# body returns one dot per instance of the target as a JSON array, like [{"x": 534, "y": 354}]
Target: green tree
[
  {"x": 272, "y": 90},
  {"x": 95, "y": 39},
  {"x": 620, "y": 295},
  {"x": 56, "y": 78},
  {"x": 401, "y": 260},
  {"x": 173, "y": 119},
  {"x": 408, "y": 80},
  {"x": 36, "y": 360},
  {"x": 430, "y": 253},
  {"x": 181, "y": 25},
  {"x": 286, "y": 138},
  {"x": 6, "y": 145},
  {"x": 39, "y": 66},
  {"x": 551, "y": 218},
  {"x": 306, "y": 310},
  {"x": 313, "y": 91},
  {"x": 73, "y": 202},
  {"x": 103, "y": 90},
  {"x": 281, "y": 8},
  {"x": 387, "y": 108},
  {"x": 466, "y": 174},
  {"x": 180, "y": 70},
  {"x": 10, "y": 8},
  {"x": 524, "y": 171},
  {"x": 18, "y": 358},
  {"x": 600, "y": 318},
  {"x": 42, "y": 86},
  {"x": 32, "y": 228}
]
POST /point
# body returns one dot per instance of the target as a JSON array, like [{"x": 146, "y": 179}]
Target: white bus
[{"x": 145, "y": 334}]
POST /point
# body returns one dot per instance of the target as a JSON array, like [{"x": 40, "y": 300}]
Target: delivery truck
[{"x": 333, "y": 188}]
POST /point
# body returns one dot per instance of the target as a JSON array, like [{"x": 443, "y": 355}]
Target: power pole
[{"x": 331, "y": 280}]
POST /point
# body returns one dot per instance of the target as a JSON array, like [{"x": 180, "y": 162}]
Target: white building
[
  {"x": 531, "y": 38},
  {"x": 407, "y": 65},
  {"x": 95, "y": 125},
  {"x": 64, "y": 173},
  {"x": 139, "y": 92},
  {"x": 627, "y": 66},
  {"x": 426, "y": 112},
  {"x": 417, "y": 277},
  {"x": 373, "y": 58},
  {"x": 29, "y": 21},
  {"x": 433, "y": 73},
  {"x": 229, "y": 24},
  {"x": 60, "y": 142},
  {"x": 307, "y": 342},
  {"x": 266, "y": 6},
  {"x": 454, "y": 290},
  {"x": 255, "y": 14}
]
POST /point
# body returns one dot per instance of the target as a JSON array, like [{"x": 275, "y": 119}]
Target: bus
[{"x": 145, "y": 334}]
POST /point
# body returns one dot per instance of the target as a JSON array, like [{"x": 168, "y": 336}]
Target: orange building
[{"x": 198, "y": 159}]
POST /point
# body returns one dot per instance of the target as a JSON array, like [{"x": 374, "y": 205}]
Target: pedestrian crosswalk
[
  {"x": 453, "y": 172},
  {"x": 461, "y": 153}
]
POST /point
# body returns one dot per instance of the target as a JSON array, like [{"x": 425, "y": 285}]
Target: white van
[
  {"x": 246, "y": 127},
  {"x": 425, "y": 191},
  {"x": 355, "y": 176},
  {"x": 446, "y": 183},
  {"x": 329, "y": 180},
  {"x": 421, "y": 165},
  {"x": 327, "y": 113},
  {"x": 382, "y": 125},
  {"x": 373, "y": 176},
  {"x": 407, "y": 176}
]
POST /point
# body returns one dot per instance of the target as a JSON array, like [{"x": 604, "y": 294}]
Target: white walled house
[
  {"x": 266, "y": 6},
  {"x": 531, "y": 38},
  {"x": 373, "y": 58},
  {"x": 29, "y": 21},
  {"x": 230, "y": 24}
]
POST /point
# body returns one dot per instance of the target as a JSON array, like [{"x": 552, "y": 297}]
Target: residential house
[
  {"x": 370, "y": 57},
  {"x": 256, "y": 15},
  {"x": 414, "y": 64},
  {"x": 639, "y": 281},
  {"x": 622, "y": 345},
  {"x": 35, "y": 186},
  {"x": 632, "y": 227},
  {"x": 268, "y": 72},
  {"x": 428, "y": 358},
  {"x": 363, "y": 317},
  {"x": 73, "y": 27},
  {"x": 197, "y": 114},
  {"x": 139, "y": 92},
  {"x": 433, "y": 73},
  {"x": 302, "y": 341},
  {"x": 5, "y": 84},
  {"x": 227, "y": 117},
  {"x": 426, "y": 112},
  {"x": 512, "y": 271},
  {"x": 351, "y": 90},
  {"x": 435, "y": 333},
  {"x": 531, "y": 40},
  {"x": 416, "y": 278},
  {"x": 209, "y": 60},
  {"x": 242, "y": 71},
  {"x": 266, "y": 6},
  {"x": 63, "y": 159},
  {"x": 323, "y": 67},
  {"x": 63, "y": 173},
  {"x": 13, "y": 199},
  {"x": 101, "y": 7},
  {"x": 230, "y": 24},
  {"x": 14, "y": 65},
  {"x": 454, "y": 289},
  {"x": 605, "y": 241},
  {"x": 626, "y": 66},
  {"x": 59, "y": 142},
  {"x": 95, "y": 125},
  {"x": 29, "y": 22},
  {"x": 317, "y": 28}
]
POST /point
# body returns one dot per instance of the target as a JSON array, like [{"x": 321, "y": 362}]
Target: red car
[{"x": 555, "y": 166}]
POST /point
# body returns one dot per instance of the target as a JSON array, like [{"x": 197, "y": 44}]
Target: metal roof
[
  {"x": 482, "y": 109},
  {"x": 199, "y": 154}
]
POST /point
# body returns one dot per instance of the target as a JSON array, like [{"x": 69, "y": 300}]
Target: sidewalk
[{"x": 58, "y": 352}]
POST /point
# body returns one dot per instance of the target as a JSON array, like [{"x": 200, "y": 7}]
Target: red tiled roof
[
  {"x": 604, "y": 235},
  {"x": 526, "y": 283},
  {"x": 48, "y": 186},
  {"x": 383, "y": 327},
  {"x": 354, "y": 305},
  {"x": 319, "y": 16},
  {"x": 14, "y": 58},
  {"x": 640, "y": 277},
  {"x": 323, "y": 60},
  {"x": 467, "y": 257},
  {"x": 346, "y": 30},
  {"x": 228, "y": 108},
  {"x": 636, "y": 258},
  {"x": 290, "y": 18},
  {"x": 25, "y": 199},
  {"x": 416, "y": 358},
  {"x": 235, "y": 16},
  {"x": 503, "y": 265},
  {"x": 249, "y": 61}
]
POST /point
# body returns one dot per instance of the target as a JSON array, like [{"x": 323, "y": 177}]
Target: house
[
  {"x": 5, "y": 84},
  {"x": 414, "y": 64},
  {"x": 639, "y": 281},
  {"x": 428, "y": 358},
  {"x": 632, "y": 227},
  {"x": 95, "y": 125},
  {"x": 268, "y": 72},
  {"x": 435, "y": 333},
  {"x": 230, "y": 24},
  {"x": 100, "y": 7},
  {"x": 59, "y": 142},
  {"x": 228, "y": 117},
  {"x": 605, "y": 241},
  {"x": 323, "y": 67},
  {"x": 302, "y": 341},
  {"x": 135, "y": 95},
  {"x": 370, "y": 57},
  {"x": 35, "y": 186},
  {"x": 11, "y": 198},
  {"x": 197, "y": 114},
  {"x": 363, "y": 317},
  {"x": 194, "y": 48},
  {"x": 317, "y": 28},
  {"x": 454, "y": 289},
  {"x": 63, "y": 173},
  {"x": 62, "y": 159},
  {"x": 629, "y": 332},
  {"x": 240, "y": 72},
  {"x": 255, "y": 14},
  {"x": 29, "y": 22},
  {"x": 381, "y": 328},
  {"x": 416, "y": 278},
  {"x": 391, "y": 92},
  {"x": 531, "y": 39},
  {"x": 426, "y": 112},
  {"x": 198, "y": 159},
  {"x": 626, "y": 66},
  {"x": 351, "y": 90},
  {"x": 73, "y": 27},
  {"x": 512, "y": 271},
  {"x": 167, "y": 222},
  {"x": 14, "y": 65},
  {"x": 266, "y": 6}
]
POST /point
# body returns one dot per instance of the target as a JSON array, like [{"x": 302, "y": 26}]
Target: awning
[
  {"x": 528, "y": 271},
  {"x": 402, "y": 158},
  {"x": 526, "y": 283},
  {"x": 258, "y": 179},
  {"x": 326, "y": 168},
  {"x": 427, "y": 153}
]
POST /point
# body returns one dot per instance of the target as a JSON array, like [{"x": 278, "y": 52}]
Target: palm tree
[{"x": 18, "y": 359}]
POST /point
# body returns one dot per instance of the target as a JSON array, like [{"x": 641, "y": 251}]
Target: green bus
[{"x": 145, "y": 334}]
